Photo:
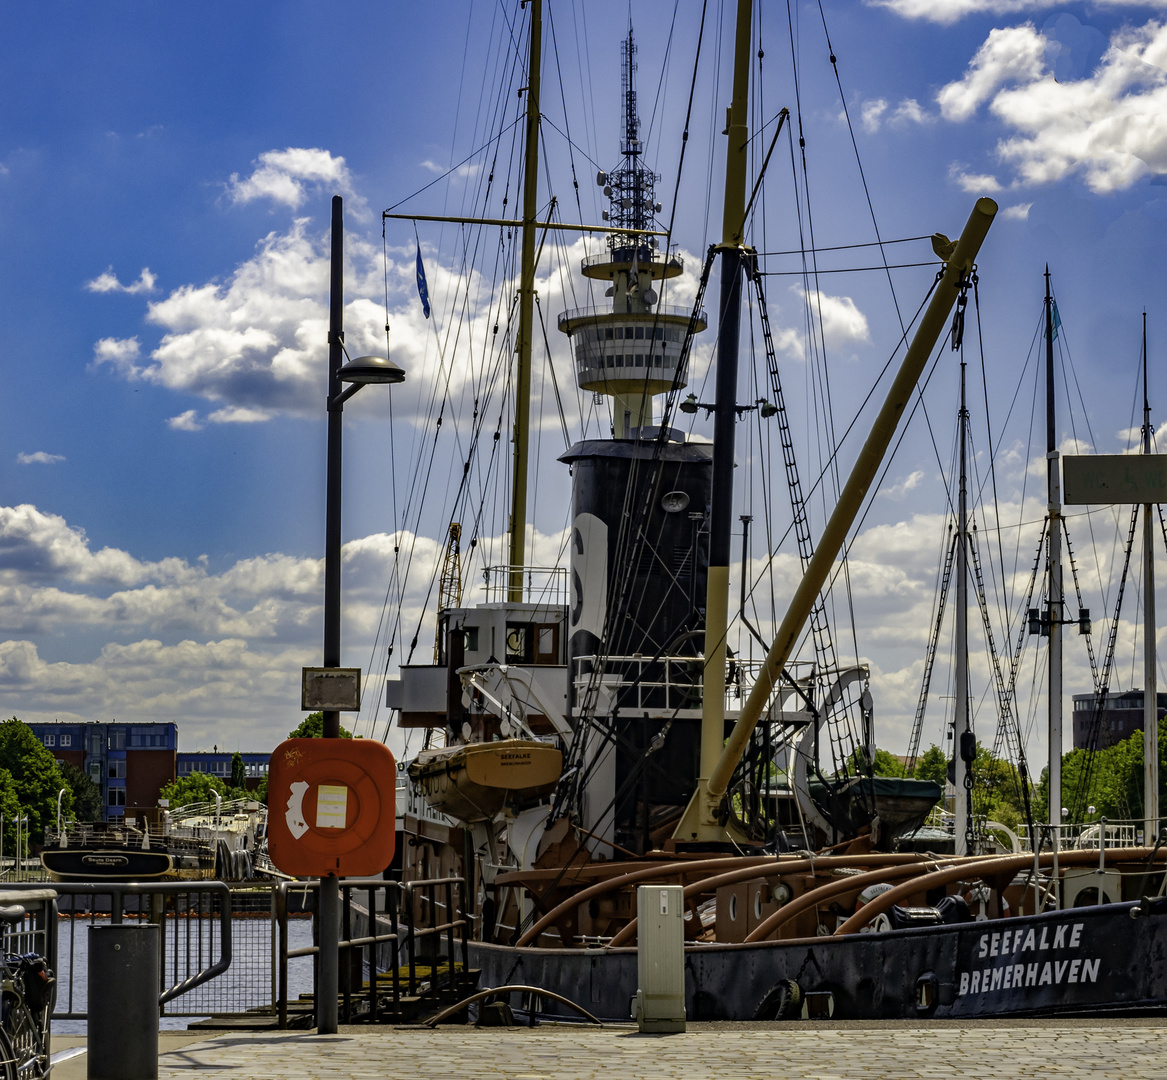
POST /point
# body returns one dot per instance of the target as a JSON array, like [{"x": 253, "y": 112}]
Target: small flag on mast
[
  {"x": 422, "y": 290},
  {"x": 1056, "y": 322}
]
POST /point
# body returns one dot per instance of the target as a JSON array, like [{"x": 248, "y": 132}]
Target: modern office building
[
  {"x": 1121, "y": 718},
  {"x": 218, "y": 763},
  {"x": 130, "y": 762}
]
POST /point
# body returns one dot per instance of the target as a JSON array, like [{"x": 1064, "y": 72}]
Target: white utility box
[{"x": 659, "y": 1005}]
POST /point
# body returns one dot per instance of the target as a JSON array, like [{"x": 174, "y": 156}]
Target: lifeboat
[{"x": 474, "y": 781}]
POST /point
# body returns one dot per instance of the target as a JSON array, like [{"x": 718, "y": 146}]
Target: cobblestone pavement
[{"x": 1132, "y": 1050}]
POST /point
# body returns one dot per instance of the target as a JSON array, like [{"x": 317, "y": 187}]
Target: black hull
[
  {"x": 1082, "y": 961},
  {"x": 106, "y": 864}
]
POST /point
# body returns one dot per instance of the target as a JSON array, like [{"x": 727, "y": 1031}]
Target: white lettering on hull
[{"x": 994, "y": 978}]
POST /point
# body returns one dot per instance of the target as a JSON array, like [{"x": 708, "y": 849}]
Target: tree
[
  {"x": 36, "y": 779},
  {"x": 86, "y": 794},
  {"x": 312, "y": 727},
  {"x": 238, "y": 773},
  {"x": 200, "y": 787},
  {"x": 887, "y": 764},
  {"x": 932, "y": 765}
]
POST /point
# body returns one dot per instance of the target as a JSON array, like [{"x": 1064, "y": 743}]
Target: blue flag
[
  {"x": 422, "y": 290},
  {"x": 1056, "y": 322}
]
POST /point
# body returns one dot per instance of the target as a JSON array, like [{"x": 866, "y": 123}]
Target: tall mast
[
  {"x": 526, "y": 313},
  {"x": 1055, "y": 612},
  {"x": 725, "y": 416},
  {"x": 1150, "y": 696},
  {"x": 961, "y": 725}
]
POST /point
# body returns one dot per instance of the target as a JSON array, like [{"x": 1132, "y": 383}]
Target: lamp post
[
  {"x": 362, "y": 371},
  {"x": 60, "y": 823}
]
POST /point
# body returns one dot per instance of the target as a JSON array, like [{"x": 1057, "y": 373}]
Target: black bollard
[{"x": 123, "y": 1002}]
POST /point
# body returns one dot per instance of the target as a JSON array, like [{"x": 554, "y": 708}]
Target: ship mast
[
  {"x": 962, "y": 728},
  {"x": 1055, "y": 599},
  {"x": 704, "y": 819},
  {"x": 518, "y": 544},
  {"x": 725, "y": 416},
  {"x": 1150, "y": 696}
]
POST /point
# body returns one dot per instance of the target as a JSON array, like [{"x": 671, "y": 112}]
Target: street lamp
[
  {"x": 60, "y": 824},
  {"x": 363, "y": 371}
]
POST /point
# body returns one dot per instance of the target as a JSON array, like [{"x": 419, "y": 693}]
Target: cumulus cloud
[
  {"x": 976, "y": 183},
  {"x": 1110, "y": 126},
  {"x": 185, "y": 421},
  {"x": 901, "y": 487},
  {"x": 872, "y": 112},
  {"x": 950, "y": 11},
  {"x": 288, "y": 177},
  {"x": 40, "y": 457},
  {"x": 237, "y": 414},
  {"x": 119, "y": 354},
  {"x": 1017, "y": 212},
  {"x": 108, "y": 282}
]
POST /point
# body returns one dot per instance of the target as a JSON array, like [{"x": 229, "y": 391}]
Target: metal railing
[
  {"x": 541, "y": 584},
  {"x": 416, "y": 922},
  {"x": 188, "y": 912},
  {"x": 37, "y": 932},
  {"x": 666, "y": 311}
]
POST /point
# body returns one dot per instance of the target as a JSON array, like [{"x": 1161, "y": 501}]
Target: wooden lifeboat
[{"x": 473, "y": 781}]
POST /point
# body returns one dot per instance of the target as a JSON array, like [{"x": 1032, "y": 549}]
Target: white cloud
[
  {"x": 186, "y": 421},
  {"x": 288, "y": 176},
  {"x": 976, "y": 183},
  {"x": 901, "y": 487},
  {"x": 40, "y": 457},
  {"x": 237, "y": 414},
  {"x": 119, "y": 354},
  {"x": 1012, "y": 54},
  {"x": 909, "y": 111},
  {"x": 950, "y": 11},
  {"x": 1017, "y": 212},
  {"x": 872, "y": 112},
  {"x": 842, "y": 322},
  {"x": 108, "y": 282},
  {"x": 1110, "y": 127}
]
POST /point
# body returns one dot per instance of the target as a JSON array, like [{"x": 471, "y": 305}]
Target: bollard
[
  {"x": 123, "y": 1002},
  {"x": 659, "y": 1005}
]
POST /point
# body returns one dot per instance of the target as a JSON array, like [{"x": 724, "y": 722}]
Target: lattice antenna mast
[
  {"x": 632, "y": 187},
  {"x": 450, "y": 580}
]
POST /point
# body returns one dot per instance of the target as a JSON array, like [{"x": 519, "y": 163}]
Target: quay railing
[
  {"x": 195, "y": 940},
  {"x": 399, "y": 928}
]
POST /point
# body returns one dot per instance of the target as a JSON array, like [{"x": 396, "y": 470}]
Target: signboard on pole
[{"x": 1114, "y": 478}]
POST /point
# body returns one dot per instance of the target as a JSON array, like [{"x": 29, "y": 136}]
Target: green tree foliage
[
  {"x": 9, "y": 808},
  {"x": 887, "y": 764},
  {"x": 1110, "y": 780},
  {"x": 36, "y": 780},
  {"x": 997, "y": 790},
  {"x": 200, "y": 787},
  {"x": 312, "y": 727},
  {"x": 932, "y": 765},
  {"x": 238, "y": 773},
  {"x": 86, "y": 794}
]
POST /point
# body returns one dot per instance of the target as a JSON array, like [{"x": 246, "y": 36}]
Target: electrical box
[{"x": 659, "y": 1005}]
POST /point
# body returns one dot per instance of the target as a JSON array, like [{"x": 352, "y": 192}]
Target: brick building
[
  {"x": 1122, "y": 717},
  {"x": 130, "y": 762}
]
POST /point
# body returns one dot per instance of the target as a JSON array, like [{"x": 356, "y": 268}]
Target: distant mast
[
  {"x": 1055, "y": 601},
  {"x": 1150, "y": 694}
]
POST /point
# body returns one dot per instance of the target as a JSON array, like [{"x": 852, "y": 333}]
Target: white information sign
[{"x": 331, "y": 806}]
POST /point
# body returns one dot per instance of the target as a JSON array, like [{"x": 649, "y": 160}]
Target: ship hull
[{"x": 1080, "y": 961}]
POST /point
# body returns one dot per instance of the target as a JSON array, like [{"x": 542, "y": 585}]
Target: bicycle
[{"x": 27, "y": 994}]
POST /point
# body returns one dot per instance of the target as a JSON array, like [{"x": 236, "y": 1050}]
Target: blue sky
[{"x": 165, "y": 174}]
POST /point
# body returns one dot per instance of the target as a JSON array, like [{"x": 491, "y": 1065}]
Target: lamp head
[{"x": 371, "y": 369}]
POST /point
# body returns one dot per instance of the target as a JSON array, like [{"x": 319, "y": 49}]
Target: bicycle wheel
[{"x": 7, "y": 1058}]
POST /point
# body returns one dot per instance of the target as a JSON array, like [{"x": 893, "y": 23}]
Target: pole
[
  {"x": 961, "y": 725},
  {"x": 326, "y": 1008},
  {"x": 725, "y": 413},
  {"x": 700, "y": 818},
  {"x": 1150, "y": 694},
  {"x": 518, "y": 545},
  {"x": 1055, "y": 607}
]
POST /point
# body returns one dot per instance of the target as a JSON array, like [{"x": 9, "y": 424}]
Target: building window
[
  {"x": 117, "y": 768},
  {"x": 117, "y": 796},
  {"x": 66, "y": 740},
  {"x": 117, "y": 739},
  {"x": 50, "y": 740}
]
